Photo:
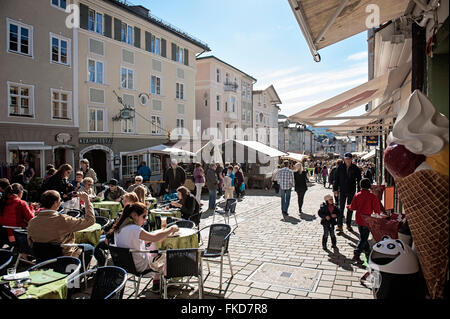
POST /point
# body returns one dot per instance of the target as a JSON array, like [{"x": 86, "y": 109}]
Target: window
[
  {"x": 127, "y": 78},
  {"x": 226, "y": 106},
  {"x": 59, "y": 3},
  {"x": 96, "y": 119},
  {"x": 95, "y": 21},
  {"x": 60, "y": 49},
  {"x": 243, "y": 114},
  {"x": 61, "y": 104},
  {"x": 244, "y": 89},
  {"x": 233, "y": 104},
  {"x": 20, "y": 38},
  {"x": 127, "y": 126},
  {"x": 157, "y": 124},
  {"x": 155, "y": 45},
  {"x": 227, "y": 78},
  {"x": 219, "y": 130},
  {"x": 179, "y": 55},
  {"x": 180, "y": 91},
  {"x": 20, "y": 99},
  {"x": 95, "y": 71},
  {"x": 218, "y": 103},
  {"x": 155, "y": 85},
  {"x": 126, "y": 33},
  {"x": 180, "y": 126},
  {"x": 218, "y": 76},
  {"x": 155, "y": 163}
]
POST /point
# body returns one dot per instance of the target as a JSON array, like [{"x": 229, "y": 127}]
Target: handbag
[{"x": 242, "y": 187}]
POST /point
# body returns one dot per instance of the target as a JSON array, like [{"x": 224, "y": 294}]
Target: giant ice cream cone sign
[{"x": 418, "y": 159}]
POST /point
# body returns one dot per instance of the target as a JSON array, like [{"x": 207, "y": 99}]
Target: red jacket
[
  {"x": 16, "y": 213},
  {"x": 364, "y": 203}
]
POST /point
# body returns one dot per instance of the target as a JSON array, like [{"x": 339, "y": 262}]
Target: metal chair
[
  {"x": 4, "y": 240},
  {"x": 183, "y": 263},
  {"x": 22, "y": 246},
  {"x": 219, "y": 237},
  {"x": 169, "y": 220},
  {"x": 230, "y": 208},
  {"x": 75, "y": 213},
  {"x": 183, "y": 223},
  {"x": 103, "y": 221},
  {"x": 6, "y": 257},
  {"x": 109, "y": 282},
  {"x": 123, "y": 258},
  {"x": 63, "y": 265}
]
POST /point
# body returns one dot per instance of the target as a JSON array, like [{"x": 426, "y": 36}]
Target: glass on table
[
  {"x": 11, "y": 271},
  {"x": 163, "y": 222}
]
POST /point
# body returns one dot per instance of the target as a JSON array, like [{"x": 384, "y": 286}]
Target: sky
[{"x": 263, "y": 39}]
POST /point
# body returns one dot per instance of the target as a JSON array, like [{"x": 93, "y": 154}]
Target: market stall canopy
[
  {"x": 161, "y": 149},
  {"x": 295, "y": 157},
  {"x": 326, "y": 22},
  {"x": 382, "y": 86},
  {"x": 260, "y": 147},
  {"x": 203, "y": 154},
  {"x": 28, "y": 146},
  {"x": 371, "y": 154},
  {"x": 359, "y": 154}
]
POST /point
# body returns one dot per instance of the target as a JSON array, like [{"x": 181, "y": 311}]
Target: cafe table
[
  {"x": 152, "y": 201},
  {"x": 90, "y": 235},
  {"x": 114, "y": 207},
  {"x": 184, "y": 238},
  {"x": 172, "y": 212}
]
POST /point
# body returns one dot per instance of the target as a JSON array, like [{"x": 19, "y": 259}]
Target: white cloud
[{"x": 358, "y": 56}]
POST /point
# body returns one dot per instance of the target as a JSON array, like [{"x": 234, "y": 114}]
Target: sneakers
[
  {"x": 357, "y": 259},
  {"x": 339, "y": 229}
]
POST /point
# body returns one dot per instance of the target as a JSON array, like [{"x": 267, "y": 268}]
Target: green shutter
[
  {"x": 117, "y": 28},
  {"x": 174, "y": 52},
  {"x": 108, "y": 26},
  {"x": 148, "y": 41},
  {"x": 186, "y": 57},
  {"x": 84, "y": 9},
  {"x": 163, "y": 48},
  {"x": 137, "y": 37}
]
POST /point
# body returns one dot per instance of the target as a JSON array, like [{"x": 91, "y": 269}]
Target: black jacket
[
  {"x": 324, "y": 212},
  {"x": 347, "y": 181},
  {"x": 191, "y": 209},
  {"x": 173, "y": 182},
  {"x": 331, "y": 177},
  {"x": 368, "y": 174},
  {"x": 300, "y": 181},
  {"x": 61, "y": 185}
]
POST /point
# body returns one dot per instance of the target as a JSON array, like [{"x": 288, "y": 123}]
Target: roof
[
  {"x": 140, "y": 12},
  {"x": 214, "y": 57}
]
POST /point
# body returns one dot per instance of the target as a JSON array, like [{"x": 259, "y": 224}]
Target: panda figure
[{"x": 395, "y": 270}]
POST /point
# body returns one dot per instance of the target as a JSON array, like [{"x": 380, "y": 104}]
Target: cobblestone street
[{"x": 263, "y": 236}]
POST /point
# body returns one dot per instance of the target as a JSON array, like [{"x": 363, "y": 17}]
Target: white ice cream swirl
[{"x": 420, "y": 127}]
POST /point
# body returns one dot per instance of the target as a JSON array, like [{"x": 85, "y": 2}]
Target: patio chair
[
  {"x": 230, "y": 208},
  {"x": 75, "y": 213},
  {"x": 109, "y": 282},
  {"x": 123, "y": 258},
  {"x": 183, "y": 223},
  {"x": 103, "y": 221},
  {"x": 183, "y": 263},
  {"x": 6, "y": 257},
  {"x": 219, "y": 237},
  {"x": 22, "y": 247},
  {"x": 4, "y": 240},
  {"x": 63, "y": 265},
  {"x": 169, "y": 220}
]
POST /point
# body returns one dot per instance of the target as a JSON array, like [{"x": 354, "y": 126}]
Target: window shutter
[
  {"x": 163, "y": 48},
  {"x": 84, "y": 16},
  {"x": 148, "y": 41},
  {"x": 174, "y": 52},
  {"x": 186, "y": 57},
  {"x": 137, "y": 37},
  {"x": 117, "y": 28},
  {"x": 108, "y": 26}
]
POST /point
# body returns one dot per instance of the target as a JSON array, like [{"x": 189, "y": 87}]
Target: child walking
[
  {"x": 228, "y": 185},
  {"x": 328, "y": 212},
  {"x": 364, "y": 203}
]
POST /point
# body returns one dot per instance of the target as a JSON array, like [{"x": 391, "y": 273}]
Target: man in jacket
[
  {"x": 175, "y": 177},
  {"x": 346, "y": 179},
  {"x": 211, "y": 183}
]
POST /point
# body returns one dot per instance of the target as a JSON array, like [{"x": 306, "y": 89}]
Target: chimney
[{"x": 141, "y": 10}]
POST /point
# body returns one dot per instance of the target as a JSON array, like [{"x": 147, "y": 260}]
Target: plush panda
[{"x": 393, "y": 256}]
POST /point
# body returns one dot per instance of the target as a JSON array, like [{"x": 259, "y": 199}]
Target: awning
[
  {"x": 295, "y": 157},
  {"x": 370, "y": 155},
  {"x": 160, "y": 149},
  {"x": 259, "y": 147},
  {"x": 359, "y": 154},
  {"x": 382, "y": 86},
  {"x": 216, "y": 157},
  {"x": 28, "y": 146},
  {"x": 326, "y": 22}
]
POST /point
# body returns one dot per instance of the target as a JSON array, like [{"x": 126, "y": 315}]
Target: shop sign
[
  {"x": 95, "y": 140},
  {"x": 372, "y": 140}
]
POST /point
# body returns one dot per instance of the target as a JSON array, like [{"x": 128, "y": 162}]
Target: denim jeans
[
  {"x": 328, "y": 230},
  {"x": 285, "y": 199},
  {"x": 363, "y": 243},
  {"x": 343, "y": 198},
  {"x": 324, "y": 181},
  {"x": 212, "y": 198},
  {"x": 99, "y": 251},
  {"x": 88, "y": 250}
]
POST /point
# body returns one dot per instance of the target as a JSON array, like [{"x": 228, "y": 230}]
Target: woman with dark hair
[
  {"x": 14, "y": 211},
  {"x": 60, "y": 183},
  {"x": 188, "y": 204},
  {"x": 19, "y": 175}
]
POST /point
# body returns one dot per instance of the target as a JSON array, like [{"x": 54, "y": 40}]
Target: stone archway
[{"x": 106, "y": 163}]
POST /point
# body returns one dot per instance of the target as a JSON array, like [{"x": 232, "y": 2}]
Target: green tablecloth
[
  {"x": 90, "y": 235},
  {"x": 114, "y": 207},
  {"x": 53, "y": 290},
  {"x": 173, "y": 212},
  {"x": 187, "y": 239}
]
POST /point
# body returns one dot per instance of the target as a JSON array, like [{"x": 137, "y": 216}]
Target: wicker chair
[
  {"x": 103, "y": 221},
  {"x": 183, "y": 223},
  {"x": 63, "y": 265},
  {"x": 22, "y": 247},
  {"x": 6, "y": 257}
]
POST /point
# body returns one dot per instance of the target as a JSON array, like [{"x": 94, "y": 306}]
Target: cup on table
[
  {"x": 11, "y": 271},
  {"x": 163, "y": 222}
]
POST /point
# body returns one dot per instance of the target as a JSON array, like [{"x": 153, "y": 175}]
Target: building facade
[
  {"x": 265, "y": 114},
  {"x": 38, "y": 114},
  {"x": 223, "y": 96},
  {"x": 295, "y": 137}
]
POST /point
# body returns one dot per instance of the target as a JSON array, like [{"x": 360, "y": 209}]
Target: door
[{"x": 98, "y": 162}]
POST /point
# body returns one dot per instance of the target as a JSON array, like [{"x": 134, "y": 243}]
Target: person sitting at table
[
  {"x": 4, "y": 183},
  {"x": 87, "y": 187},
  {"x": 128, "y": 233},
  {"x": 59, "y": 183},
  {"x": 188, "y": 205},
  {"x": 14, "y": 211},
  {"x": 78, "y": 181},
  {"x": 114, "y": 192},
  {"x": 49, "y": 226},
  {"x": 138, "y": 182}
]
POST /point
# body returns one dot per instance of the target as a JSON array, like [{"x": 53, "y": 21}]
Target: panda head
[{"x": 393, "y": 256}]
